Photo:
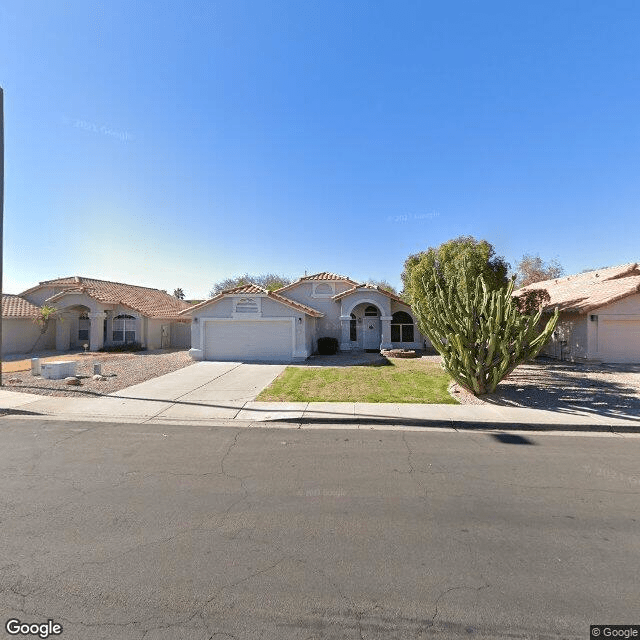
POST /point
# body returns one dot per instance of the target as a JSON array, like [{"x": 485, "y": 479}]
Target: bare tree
[
  {"x": 269, "y": 281},
  {"x": 533, "y": 269},
  {"x": 384, "y": 285}
]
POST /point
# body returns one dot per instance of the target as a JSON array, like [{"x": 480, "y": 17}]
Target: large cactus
[{"x": 481, "y": 334}]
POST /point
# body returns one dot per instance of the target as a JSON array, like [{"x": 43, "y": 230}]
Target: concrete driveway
[{"x": 204, "y": 390}]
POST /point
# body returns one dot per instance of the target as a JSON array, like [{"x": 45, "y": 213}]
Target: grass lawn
[{"x": 410, "y": 380}]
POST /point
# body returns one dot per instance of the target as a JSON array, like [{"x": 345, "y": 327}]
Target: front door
[{"x": 371, "y": 333}]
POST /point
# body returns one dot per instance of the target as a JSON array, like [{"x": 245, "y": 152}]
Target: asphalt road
[{"x": 161, "y": 532}]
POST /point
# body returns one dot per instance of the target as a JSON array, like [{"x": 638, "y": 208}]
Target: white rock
[{"x": 98, "y": 377}]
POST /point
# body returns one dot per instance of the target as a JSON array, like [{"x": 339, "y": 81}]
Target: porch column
[
  {"x": 63, "y": 331},
  {"x": 385, "y": 332},
  {"x": 96, "y": 333},
  {"x": 345, "y": 342}
]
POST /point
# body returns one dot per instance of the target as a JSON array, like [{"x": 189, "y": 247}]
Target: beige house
[
  {"x": 20, "y": 333},
  {"x": 599, "y": 315},
  {"x": 93, "y": 312},
  {"x": 250, "y": 323}
]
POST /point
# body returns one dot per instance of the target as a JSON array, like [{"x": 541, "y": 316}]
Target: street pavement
[{"x": 170, "y": 532}]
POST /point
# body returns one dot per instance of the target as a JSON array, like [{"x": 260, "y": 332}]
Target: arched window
[
  {"x": 124, "y": 328},
  {"x": 401, "y": 327},
  {"x": 324, "y": 289},
  {"x": 353, "y": 333},
  {"x": 371, "y": 311}
]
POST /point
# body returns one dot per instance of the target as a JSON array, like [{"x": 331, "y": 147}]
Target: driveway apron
[{"x": 201, "y": 391}]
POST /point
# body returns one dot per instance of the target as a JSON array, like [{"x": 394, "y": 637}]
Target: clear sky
[{"x": 173, "y": 144}]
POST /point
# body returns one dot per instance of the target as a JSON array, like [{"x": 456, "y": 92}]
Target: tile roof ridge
[
  {"x": 244, "y": 286},
  {"x": 310, "y": 277},
  {"x": 82, "y": 280},
  {"x": 613, "y": 272}
]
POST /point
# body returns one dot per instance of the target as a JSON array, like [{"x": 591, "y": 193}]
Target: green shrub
[{"x": 327, "y": 346}]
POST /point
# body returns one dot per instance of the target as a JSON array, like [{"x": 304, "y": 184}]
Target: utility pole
[{"x": 1, "y": 213}]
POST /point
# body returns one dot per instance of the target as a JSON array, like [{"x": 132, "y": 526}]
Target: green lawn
[{"x": 402, "y": 380}]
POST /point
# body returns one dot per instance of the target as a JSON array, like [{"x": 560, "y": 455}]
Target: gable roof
[
  {"x": 370, "y": 287},
  {"x": 253, "y": 289},
  {"x": 17, "y": 307},
  {"x": 149, "y": 302},
  {"x": 323, "y": 275},
  {"x": 585, "y": 292}
]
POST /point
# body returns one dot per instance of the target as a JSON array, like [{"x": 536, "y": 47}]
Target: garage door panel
[
  {"x": 248, "y": 340},
  {"x": 619, "y": 341}
]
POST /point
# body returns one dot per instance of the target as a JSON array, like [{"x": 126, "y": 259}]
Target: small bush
[
  {"x": 327, "y": 346},
  {"x": 123, "y": 348}
]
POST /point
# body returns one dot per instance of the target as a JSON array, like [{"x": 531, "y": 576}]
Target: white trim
[{"x": 375, "y": 303}]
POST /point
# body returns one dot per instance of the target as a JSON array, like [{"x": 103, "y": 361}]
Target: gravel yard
[
  {"x": 612, "y": 390},
  {"x": 120, "y": 369}
]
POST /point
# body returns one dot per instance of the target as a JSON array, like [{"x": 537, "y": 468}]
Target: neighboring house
[
  {"x": 20, "y": 333},
  {"x": 599, "y": 315},
  {"x": 97, "y": 313},
  {"x": 251, "y": 323}
]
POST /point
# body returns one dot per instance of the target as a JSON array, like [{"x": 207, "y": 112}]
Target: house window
[
  {"x": 246, "y": 305},
  {"x": 124, "y": 328},
  {"x": 353, "y": 333},
  {"x": 371, "y": 311},
  {"x": 83, "y": 327},
  {"x": 401, "y": 327}
]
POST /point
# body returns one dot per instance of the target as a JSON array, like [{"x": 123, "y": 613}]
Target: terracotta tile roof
[
  {"x": 152, "y": 303},
  {"x": 256, "y": 290},
  {"x": 17, "y": 307},
  {"x": 323, "y": 275},
  {"x": 371, "y": 287},
  {"x": 296, "y": 305},
  {"x": 585, "y": 292},
  {"x": 245, "y": 288}
]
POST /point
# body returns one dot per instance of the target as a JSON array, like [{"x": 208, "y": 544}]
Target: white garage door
[
  {"x": 242, "y": 340},
  {"x": 619, "y": 340}
]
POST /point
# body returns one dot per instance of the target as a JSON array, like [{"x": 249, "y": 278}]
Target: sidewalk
[{"x": 125, "y": 407}]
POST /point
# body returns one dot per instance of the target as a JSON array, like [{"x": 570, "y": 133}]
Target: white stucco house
[
  {"x": 250, "y": 323},
  {"x": 94, "y": 312},
  {"x": 599, "y": 315}
]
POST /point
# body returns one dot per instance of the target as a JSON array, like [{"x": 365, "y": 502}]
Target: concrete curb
[{"x": 340, "y": 423}]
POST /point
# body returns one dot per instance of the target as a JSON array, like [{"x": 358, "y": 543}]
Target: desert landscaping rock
[
  {"x": 72, "y": 381},
  {"x": 553, "y": 384},
  {"x": 119, "y": 370}
]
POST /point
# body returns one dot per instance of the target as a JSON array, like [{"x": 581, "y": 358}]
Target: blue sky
[{"x": 178, "y": 143}]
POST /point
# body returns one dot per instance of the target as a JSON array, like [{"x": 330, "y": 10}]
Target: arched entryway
[
  {"x": 79, "y": 320},
  {"x": 79, "y": 326},
  {"x": 364, "y": 327},
  {"x": 371, "y": 333}
]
